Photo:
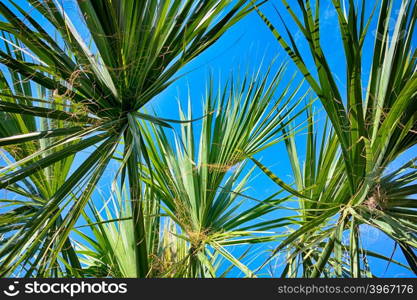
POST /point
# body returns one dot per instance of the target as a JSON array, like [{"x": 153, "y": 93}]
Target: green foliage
[
  {"x": 89, "y": 98},
  {"x": 202, "y": 185},
  {"x": 178, "y": 204},
  {"x": 344, "y": 182}
]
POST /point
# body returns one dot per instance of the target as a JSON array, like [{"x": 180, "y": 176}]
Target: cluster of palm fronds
[{"x": 73, "y": 109}]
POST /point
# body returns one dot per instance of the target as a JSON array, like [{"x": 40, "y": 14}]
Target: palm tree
[
  {"x": 70, "y": 106},
  {"x": 91, "y": 97},
  {"x": 345, "y": 182},
  {"x": 199, "y": 183},
  {"x": 196, "y": 189}
]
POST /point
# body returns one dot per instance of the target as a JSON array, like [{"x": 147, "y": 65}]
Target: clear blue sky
[{"x": 245, "y": 45}]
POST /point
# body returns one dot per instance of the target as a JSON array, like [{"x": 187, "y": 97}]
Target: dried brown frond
[
  {"x": 377, "y": 200},
  {"x": 197, "y": 238}
]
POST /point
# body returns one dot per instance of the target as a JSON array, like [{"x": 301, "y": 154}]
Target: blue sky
[{"x": 246, "y": 45}]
